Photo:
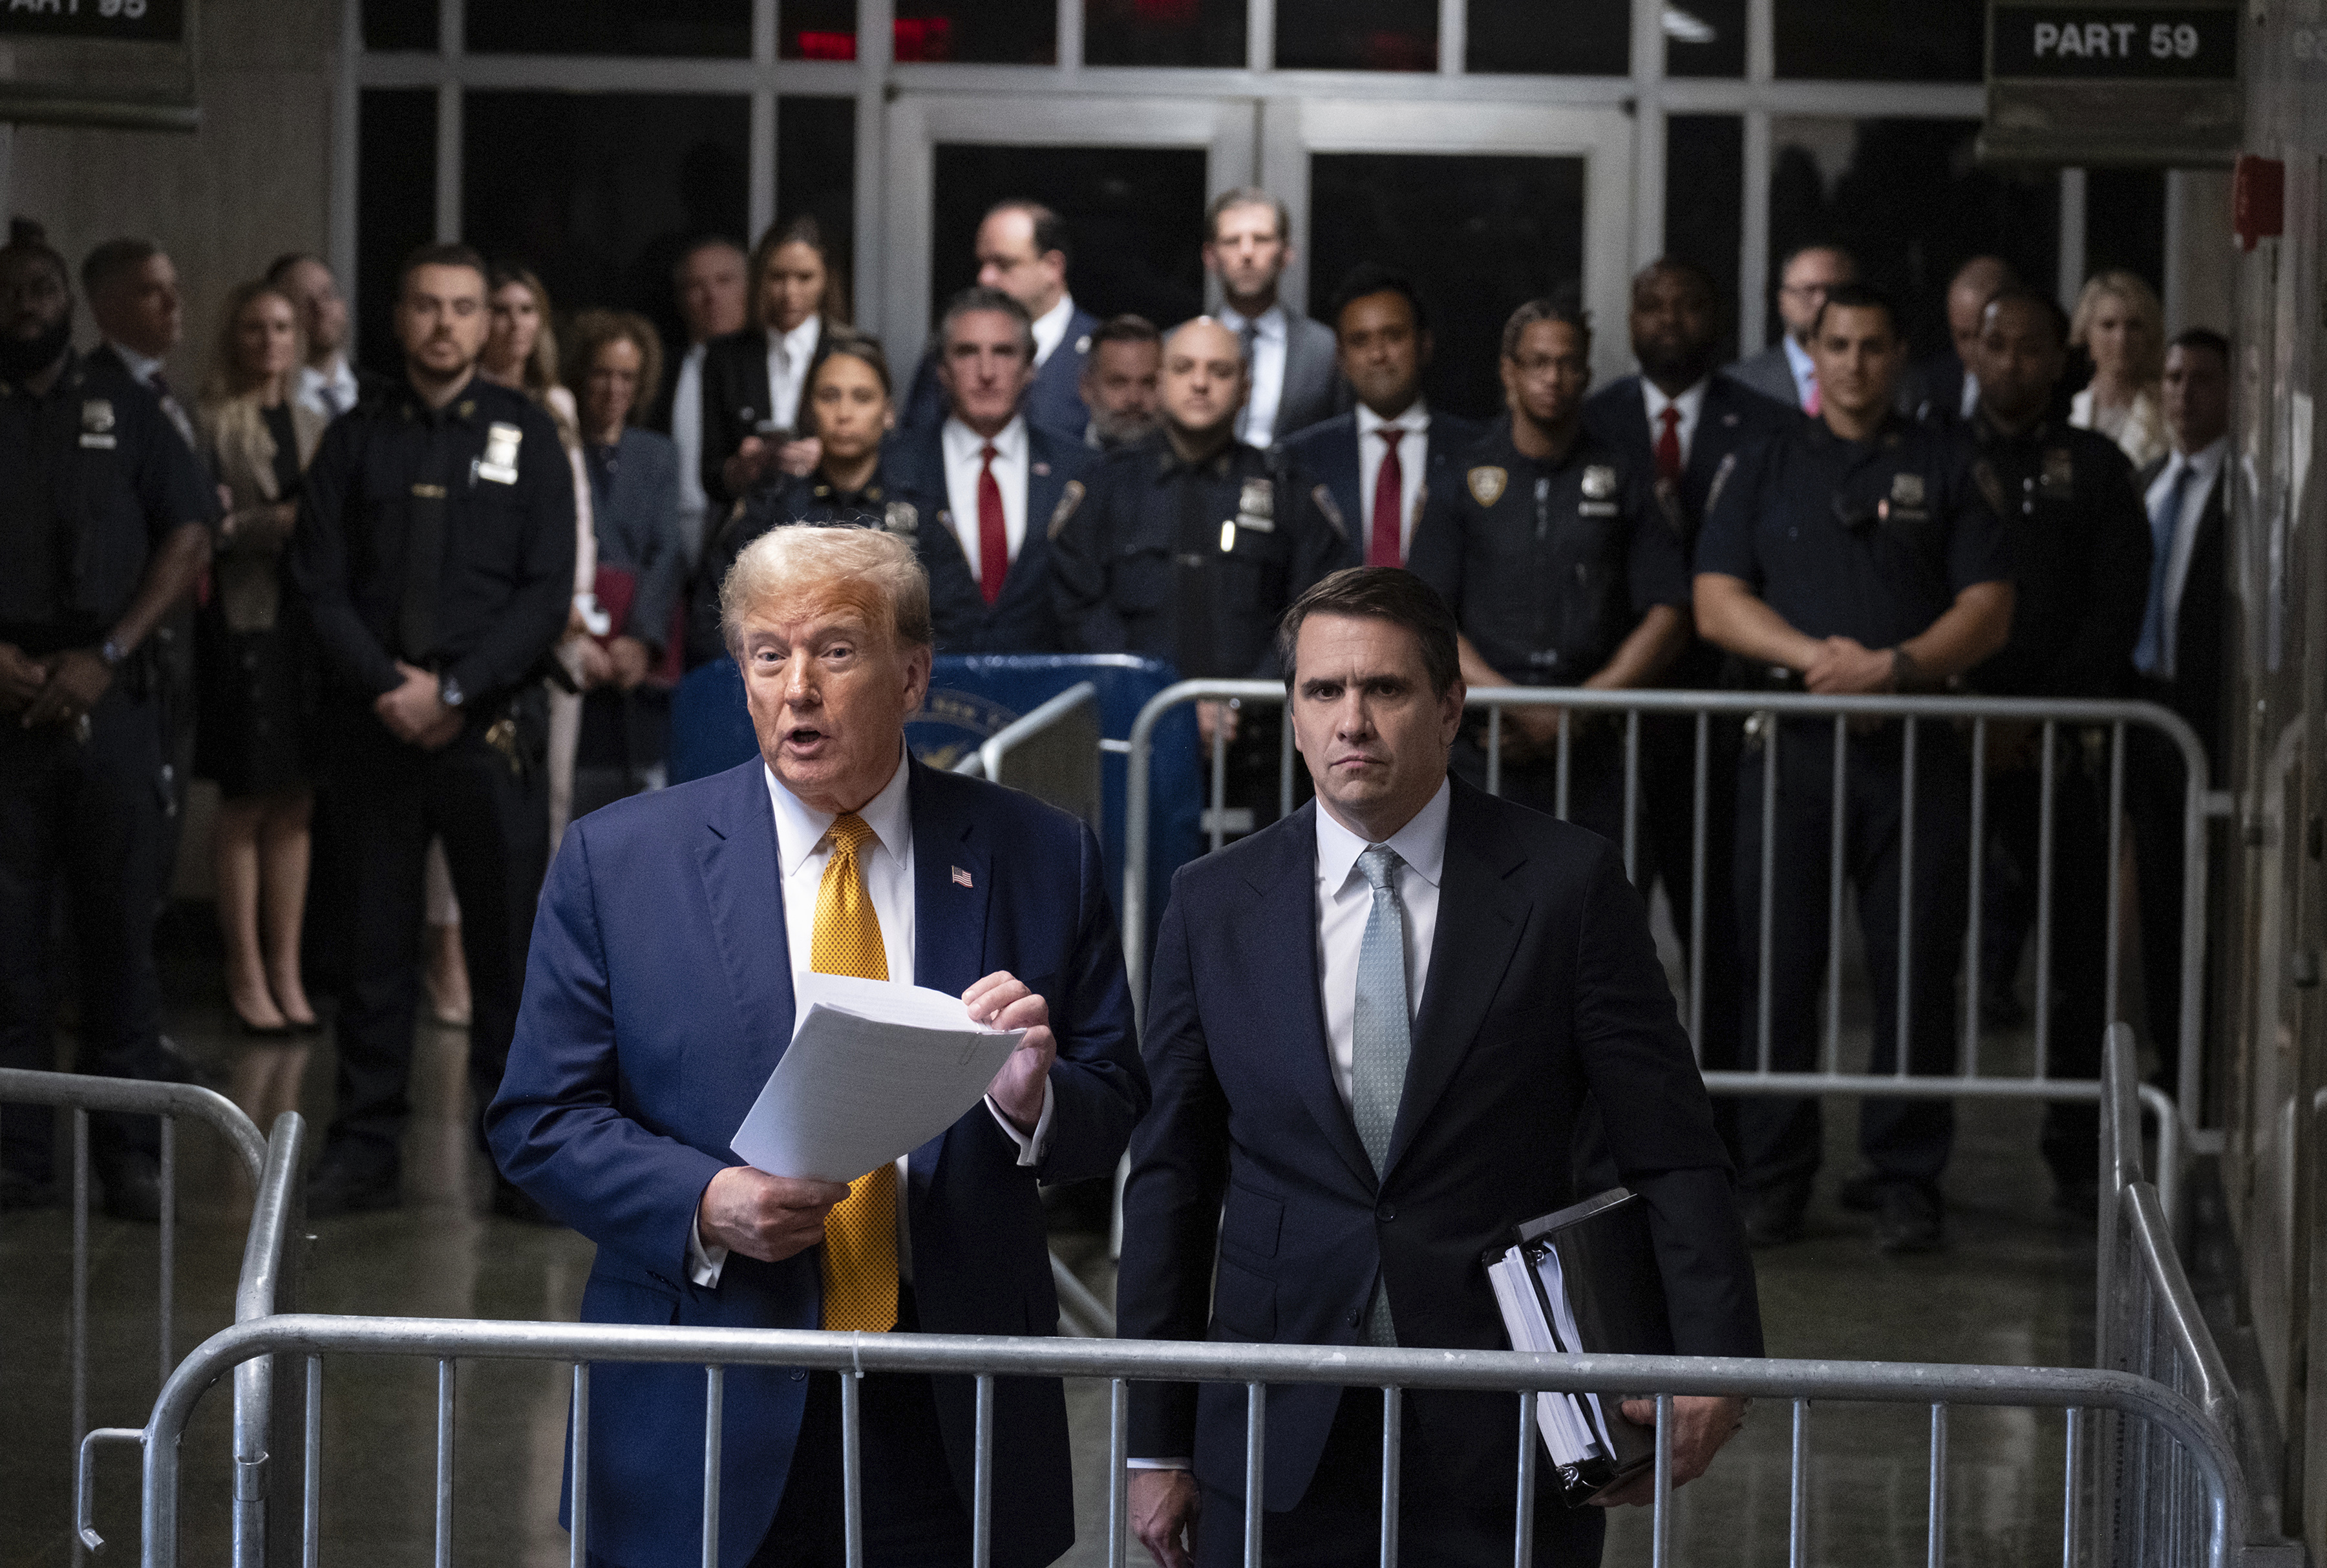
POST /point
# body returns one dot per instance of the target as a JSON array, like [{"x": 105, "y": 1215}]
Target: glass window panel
[
  {"x": 1905, "y": 198},
  {"x": 816, "y": 172},
  {"x": 816, "y": 29},
  {"x": 1565, "y": 38},
  {"x": 1704, "y": 204},
  {"x": 1881, "y": 40},
  {"x": 978, "y": 32},
  {"x": 1163, "y": 32},
  {"x": 1134, "y": 220},
  {"x": 599, "y": 193},
  {"x": 396, "y": 208},
  {"x": 669, "y": 27},
  {"x": 1356, "y": 34},
  {"x": 400, "y": 24},
  {"x": 1704, "y": 38},
  {"x": 1480, "y": 235}
]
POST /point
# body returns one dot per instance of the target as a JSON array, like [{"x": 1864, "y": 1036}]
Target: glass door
[
  {"x": 1130, "y": 175},
  {"x": 1485, "y": 205}
]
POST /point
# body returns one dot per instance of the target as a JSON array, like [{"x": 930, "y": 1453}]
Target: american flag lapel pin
[{"x": 961, "y": 878}]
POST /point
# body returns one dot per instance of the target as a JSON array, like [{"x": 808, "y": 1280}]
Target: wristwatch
[{"x": 449, "y": 693}]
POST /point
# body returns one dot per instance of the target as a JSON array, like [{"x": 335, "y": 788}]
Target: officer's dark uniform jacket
[
  {"x": 486, "y": 479},
  {"x": 812, "y": 501},
  {"x": 1192, "y": 563},
  {"x": 1548, "y": 566},
  {"x": 1866, "y": 539},
  {"x": 2081, "y": 549},
  {"x": 95, "y": 479}
]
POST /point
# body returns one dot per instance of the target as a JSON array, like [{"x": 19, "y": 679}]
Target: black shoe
[
  {"x": 1863, "y": 1193},
  {"x": 511, "y": 1201},
  {"x": 347, "y": 1182},
  {"x": 133, "y": 1187},
  {"x": 1910, "y": 1220},
  {"x": 18, "y": 1190},
  {"x": 1773, "y": 1218}
]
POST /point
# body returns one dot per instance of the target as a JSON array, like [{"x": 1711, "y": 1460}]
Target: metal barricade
[
  {"x": 2170, "y": 1418},
  {"x": 273, "y": 1163},
  {"x": 1052, "y": 753},
  {"x": 1972, "y": 1078}
]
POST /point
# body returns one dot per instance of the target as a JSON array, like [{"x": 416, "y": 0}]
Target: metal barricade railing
[
  {"x": 82, "y": 1093},
  {"x": 2049, "y": 719},
  {"x": 1052, "y": 753},
  {"x": 2175, "y": 1422}
]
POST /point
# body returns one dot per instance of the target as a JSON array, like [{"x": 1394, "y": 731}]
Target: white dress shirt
[
  {"x": 1798, "y": 360},
  {"x": 1051, "y": 328},
  {"x": 1412, "y": 458},
  {"x": 789, "y": 354},
  {"x": 1257, "y": 423},
  {"x": 687, "y": 434},
  {"x": 803, "y": 850},
  {"x": 962, "y": 447},
  {"x": 338, "y": 382},
  {"x": 1969, "y": 401},
  {"x": 2205, "y": 467},
  {"x": 1690, "y": 405},
  {"x": 1345, "y": 902}
]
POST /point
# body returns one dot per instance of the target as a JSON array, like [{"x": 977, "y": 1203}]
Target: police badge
[
  {"x": 97, "y": 424},
  {"x": 1906, "y": 490},
  {"x": 1599, "y": 483},
  {"x": 2060, "y": 480},
  {"x": 902, "y": 518},
  {"x": 1487, "y": 482},
  {"x": 1256, "y": 505},
  {"x": 499, "y": 461}
]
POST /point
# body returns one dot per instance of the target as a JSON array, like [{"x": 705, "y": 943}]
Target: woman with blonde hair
[
  {"x": 2121, "y": 325},
  {"x": 253, "y": 688}
]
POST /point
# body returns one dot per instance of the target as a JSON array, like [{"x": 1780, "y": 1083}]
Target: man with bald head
[
  {"x": 666, "y": 962},
  {"x": 1191, "y": 543},
  {"x": 1946, "y": 387}
]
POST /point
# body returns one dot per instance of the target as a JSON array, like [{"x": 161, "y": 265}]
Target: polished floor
[{"x": 2015, "y": 1287}]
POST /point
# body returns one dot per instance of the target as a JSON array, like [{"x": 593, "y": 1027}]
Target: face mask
[{"x": 22, "y": 358}]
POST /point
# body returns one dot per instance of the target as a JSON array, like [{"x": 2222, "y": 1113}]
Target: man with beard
[
  {"x": 1119, "y": 382},
  {"x": 103, "y": 531}
]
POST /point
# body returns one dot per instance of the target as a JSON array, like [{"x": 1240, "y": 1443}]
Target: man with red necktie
[
  {"x": 1008, "y": 483},
  {"x": 1382, "y": 459}
]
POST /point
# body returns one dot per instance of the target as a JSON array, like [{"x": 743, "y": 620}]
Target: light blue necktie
[
  {"x": 2164, "y": 517},
  {"x": 1381, "y": 1035}
]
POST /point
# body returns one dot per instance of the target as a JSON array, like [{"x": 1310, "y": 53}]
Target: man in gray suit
[
  {"x": 1294, "y": 381},
  {"x": 1784, "y": 371}
]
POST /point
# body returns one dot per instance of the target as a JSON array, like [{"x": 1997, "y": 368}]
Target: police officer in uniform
[
  {"x": 2080, "y": 549},
  {"x": 435, "y": 552},
  {"x": 1561, "y": 567},
  {"x": 1854, "y": 554},
  {"x": 1189, "y": 547},
  {"x": 104, "y": 526}
]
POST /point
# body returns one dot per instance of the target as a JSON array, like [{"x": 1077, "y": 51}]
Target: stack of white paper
[
  {"x": 876, "y": 1070},
  {"x": 1573, "y": 1425}
]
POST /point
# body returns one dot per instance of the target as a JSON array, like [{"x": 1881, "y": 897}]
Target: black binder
[{"x": 1585, "y": 1281}]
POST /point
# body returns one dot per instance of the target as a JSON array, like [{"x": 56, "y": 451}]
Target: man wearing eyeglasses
[{"x": 1784, "y": 371}]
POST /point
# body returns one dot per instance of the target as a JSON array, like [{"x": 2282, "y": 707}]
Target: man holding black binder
[{"x": 1371, "y": 1031}]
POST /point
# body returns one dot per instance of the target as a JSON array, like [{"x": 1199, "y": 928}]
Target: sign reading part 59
[
  {"x": 2124, "y": 44},
  {"x": 144, "y": 21}
]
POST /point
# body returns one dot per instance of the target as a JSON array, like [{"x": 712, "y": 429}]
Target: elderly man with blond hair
[{"x": 660, "y": 994}]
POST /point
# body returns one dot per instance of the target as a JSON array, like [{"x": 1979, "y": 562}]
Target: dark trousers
[
  {"x": 493, "y": 818},
  {"x": 1669, "y": 788},
  {"x": 2155, "y": 786},
  {"x": 85, "y": 818},
  {"x": 2080, "y": 929},
  {"x": 1443, "y": 1522},
  {"x": 1905, "y": 1141}
]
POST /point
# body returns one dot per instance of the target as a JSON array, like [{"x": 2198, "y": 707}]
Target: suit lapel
[
  {"x": 1281, "y": 922},
  {"x": 1482, "y": 911},
  {"x": 1046, "y": 480},
  {"x": 952, "y": 885},
  {"x": 742, "y": 883}
]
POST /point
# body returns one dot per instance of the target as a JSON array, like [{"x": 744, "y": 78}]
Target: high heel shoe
[{"x": 251, "y": 1030}]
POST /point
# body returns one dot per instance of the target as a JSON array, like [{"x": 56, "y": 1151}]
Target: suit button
[
  {"x": 1388, "y": 1211},
  {"x": 800, "y": 1373},
  {"x": 1357, "y": 1316}
]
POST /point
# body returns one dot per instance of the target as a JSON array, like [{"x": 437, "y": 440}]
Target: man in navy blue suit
[
  {"x": 1686, "y": 425},
  {"x": 1023, "y": 250},
  {"x": 1008, "y": 483},
  {"x": 660, "y": 994},
  {"x": 1382, "y": 339},
  {"x": 1327, "y": 1159}
]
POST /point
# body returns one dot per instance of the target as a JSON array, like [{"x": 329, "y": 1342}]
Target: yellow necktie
[{"x": 860, "y": 1234}]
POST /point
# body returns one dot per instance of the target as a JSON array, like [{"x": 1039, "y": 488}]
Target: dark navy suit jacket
[
  {"x": 1329, "y": 450},
  {"x": 1734, "y": 417},
  {"x": 658, "y": 998},
  {"x": 1023, "y": 620},
  {"x": 1055, "y": 399},
  {"x": 1543, "y": 985}
]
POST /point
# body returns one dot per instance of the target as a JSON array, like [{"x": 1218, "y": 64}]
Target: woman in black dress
[{"x": 253, "y": 690}]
